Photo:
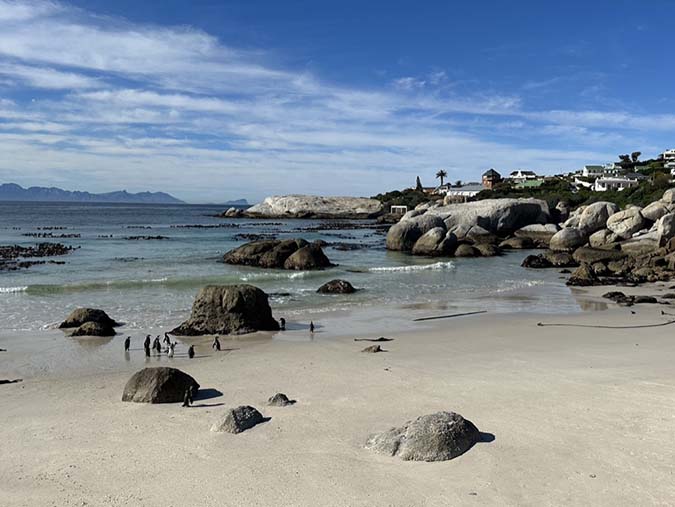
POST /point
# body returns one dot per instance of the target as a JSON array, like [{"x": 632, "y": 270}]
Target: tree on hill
[
  {"x": 441, "y": 174},
  {"x": 418, "y": 185},
  {"x": 635, "y": 156}
]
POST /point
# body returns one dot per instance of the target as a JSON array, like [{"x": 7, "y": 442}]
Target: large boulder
[
  {"x": 436, "y": 437},
  {"x": 465, "y": 250},
  {"x": 336, "y": 287},
  {"x": 159, "y": 385},
  {"x": 602, "y": 238},
  {"x": 82, "y": 315},
  {"x": 307, "y": 258},
  {"x": 435, "y": 242},
  {"x": 560, "y": 259},
  {"x": 594, "y": 216},
  {"x": 238, "y": 419},
  {"x": 94, "y": 329},
  {"x": 626, "y": 223},
  {"x": 640, "y": 246},
  {"x": 583, "y": 276},
  {"x": 274, "y": 253},
  {"x": 655, "y": 210},
  {"x": 669, "y": 196},
  {"x": 539, "y": 234},
  {"x": 665, "y": 228},
  {"x": 568, "y": 239},
  {"x": 593, "y": 255},
  {"x": 517, "y": 243},
  {"x": 228, "y": 309},
  {"x": 403, "y": 235},
  {"x": 312, "y": 206},
  {"x": 498, "y": 216}
]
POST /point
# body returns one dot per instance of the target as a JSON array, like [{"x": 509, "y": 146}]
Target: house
[
  {"x": 491, "y": 178},
  {"x": 668, "y": 157},
  {"x": 398, "y": 210},
  {"x": 593, "y": 171},
  {"x": 463, "y": 193},
  {"x": 520, "y": 176},
  {"x": 619, "y": 183}
]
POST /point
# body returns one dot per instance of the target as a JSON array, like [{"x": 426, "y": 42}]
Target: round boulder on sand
[
  {"x": 82, "y": 315},
  {"x": 567, "y": 239},
  {"x": 238, "y": 419},
  {"x": 158, "y": 385},
  {"x": 336, "y": 287},
  {"x": 280, "y": 400},
  {"x": 228, "y": 309},
  {"x": 435, "y": 437}
]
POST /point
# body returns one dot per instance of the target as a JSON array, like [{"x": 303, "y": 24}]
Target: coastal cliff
[{"x": 310, "y": 206}]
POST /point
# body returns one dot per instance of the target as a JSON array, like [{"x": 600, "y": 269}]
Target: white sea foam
[
  {"x": 10, "y": 290},
  {"x": 436, "y": 266}
]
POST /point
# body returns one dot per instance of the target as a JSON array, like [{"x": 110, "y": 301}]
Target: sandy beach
[{"x": 580, "y": 416}]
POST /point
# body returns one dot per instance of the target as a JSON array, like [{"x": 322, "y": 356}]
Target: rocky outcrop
[
  {"x": 436, "y": 242},
  {"x": 158, "y": 385},
  {"x": 83, "y": 315},
  {"x": 594, "y": 216},
  {"x": 238, "y": 419},
  {"x": 626, "y": 223},
  {"x": 435, "y": 437},
  {"x": 539, "y": 234},
  {"x": 228, "y": 309},
  {"x": 94, "y": 329},
  {"x": 593, "y": 255},
  {"x": 568, "y": 239},
  {"x": 311, "y": 206},
  {"x": 403, "y": 235},
  {"x": 336, "y": 287},
  {"x": 279, "y": 254}
]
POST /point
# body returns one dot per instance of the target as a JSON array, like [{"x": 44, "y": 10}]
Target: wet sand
[{"x": 580, "y": 416}]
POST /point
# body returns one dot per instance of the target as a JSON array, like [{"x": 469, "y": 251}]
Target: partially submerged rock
[
  {"x": 158, "y": 385},
  {"x": 228, "y": 309},
  {"x": 308, "y": 257},
  {"x": 94, "y": 329},
  {"x": 81, "y": 315},
  {"x": 435, "y": 437},
  {"x": 239, "y": 419},
  {"x": 280, "y": 400},
  {"x": 336, "y": 287},
  {"x": 296, "y": 254}
]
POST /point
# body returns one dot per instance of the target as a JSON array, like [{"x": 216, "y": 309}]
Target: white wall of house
[{"x": 605, "y": 184}]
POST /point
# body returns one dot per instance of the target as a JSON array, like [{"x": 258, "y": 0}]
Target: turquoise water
[{"x": 152, "y": 283}]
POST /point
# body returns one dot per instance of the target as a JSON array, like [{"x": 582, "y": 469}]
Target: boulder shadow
[
  {"x": 485, "y": 438},
  {"x": 207, "y": 394}
]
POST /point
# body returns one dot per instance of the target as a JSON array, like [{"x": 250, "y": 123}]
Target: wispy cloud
[{"x": 115, "y": 104}]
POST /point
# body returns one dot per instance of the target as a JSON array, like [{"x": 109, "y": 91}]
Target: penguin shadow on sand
[{"x": 207, "y": 394}]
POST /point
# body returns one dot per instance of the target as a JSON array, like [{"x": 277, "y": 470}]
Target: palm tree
[{"x": 441, "y": 174}]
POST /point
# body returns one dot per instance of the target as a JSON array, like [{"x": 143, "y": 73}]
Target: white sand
[{"x": 580, "y": 417}]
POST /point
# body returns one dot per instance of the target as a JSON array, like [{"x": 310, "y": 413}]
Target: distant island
[
  {"x": 14, "y": 192},
  {"x": 236, "y": 202}
]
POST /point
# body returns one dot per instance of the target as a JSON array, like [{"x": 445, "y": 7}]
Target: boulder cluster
[
  {"x": 89, "y": 322},
  {"x": 293, "y": 254},
  {"x": 481, "y": 228},
  {"x": 607, "y": 244}
]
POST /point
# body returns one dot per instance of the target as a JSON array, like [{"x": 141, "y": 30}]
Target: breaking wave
[
  {"x": 11, "y": 290},
  {"x": 436, "y": 266}
]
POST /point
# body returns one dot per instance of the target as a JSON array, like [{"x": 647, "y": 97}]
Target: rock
[
  {"x": 239, "y": 419},
  {"x": 498, "y": 216},
  {"x": 626, "y": 223},
  {"x": 622, "y": 299},
  {"x": 94, "y": 329},
  {"x": 336, "y": 287},
  {"x": 517, "y": 244},
  {"x": 665, "y": 228},
  {"x": 228, "y": 309},
  {"x": 280, "y": 400},
  {"x": 655, "y": 210},
  {"x": 403, "y": 235},
  {"x": 594, "y": 216},
  {"x": 539, "y": 234},
  {"x": 669, "y": 196},
  {"x": 487, "y": 250},
  {"x": 602, "y": 238},
  {"x": 310, "y": 206},
  {"x": 158, "y": 385},
  {"x": 650, "y": 300},
  {"x": 583, "y": 276},
  {"x": 560, "y": 259},
  {"x": 568, "y": 239},
  {"x": 82, "y": 315},
  {"x": 413, "y": 213},
  {"x": 274, "y": 253},
  {"x": 435, "y": 437},
  {"x": 638, "y": 247},
  {"x": 536, "y": 262},
  {"x": 432, "y": 243},
  {"x": 592, "y": 255},
  {"x": 465, "y": 250},
  {"x": 478, "y": 235},
  {"x": 373, "y": 349},
  {"x": 307, "y": 258}
]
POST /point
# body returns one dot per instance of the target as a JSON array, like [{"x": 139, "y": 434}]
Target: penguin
[{"x": 127, "y": 344}]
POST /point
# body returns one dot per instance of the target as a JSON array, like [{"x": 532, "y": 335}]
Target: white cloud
[{"x": 44, "y": 77}]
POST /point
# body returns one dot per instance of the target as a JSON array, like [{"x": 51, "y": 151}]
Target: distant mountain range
[
  {"x": 14, "y": 192},
  {"x": 237, "y": 202}
]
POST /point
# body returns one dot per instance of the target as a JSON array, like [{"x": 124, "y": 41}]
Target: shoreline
[{"x": 579, "y": 418}]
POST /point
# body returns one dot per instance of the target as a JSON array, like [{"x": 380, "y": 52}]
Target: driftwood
[
  {"x": 380, "y": 339},
  {"x": 449, "y": 316}
]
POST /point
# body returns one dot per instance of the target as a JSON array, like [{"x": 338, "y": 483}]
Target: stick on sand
[{"x": 449, "y": 316}]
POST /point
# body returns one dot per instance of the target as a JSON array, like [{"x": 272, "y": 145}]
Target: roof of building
[
  {"x": 530, "y": 184},
  {"x": 492, "y": 173},
  {"x": 529, "y": 173},
  {"x": 592, "y": 167},
  {"x": 475, "y": 187}
]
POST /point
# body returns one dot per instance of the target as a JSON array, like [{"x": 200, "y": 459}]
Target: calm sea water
[{"x": 152, "y": 283}]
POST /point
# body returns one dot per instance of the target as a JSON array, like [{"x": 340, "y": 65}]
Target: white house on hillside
[
  {"x": 669, "y": 160},
  {"x": 619, "y": 183},
  {"x": 519, "y": 176}
]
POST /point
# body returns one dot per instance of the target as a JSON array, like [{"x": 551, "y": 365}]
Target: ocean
[{"x": 151, "y": 283}]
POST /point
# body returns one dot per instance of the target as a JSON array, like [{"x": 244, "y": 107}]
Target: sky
[{"x": 217, "y": 100}]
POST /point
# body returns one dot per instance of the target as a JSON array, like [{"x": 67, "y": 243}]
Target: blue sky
[{"x": 213, "y": 101}]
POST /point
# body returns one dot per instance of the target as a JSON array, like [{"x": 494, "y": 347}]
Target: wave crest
[{"x": 436, "y": 266}]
